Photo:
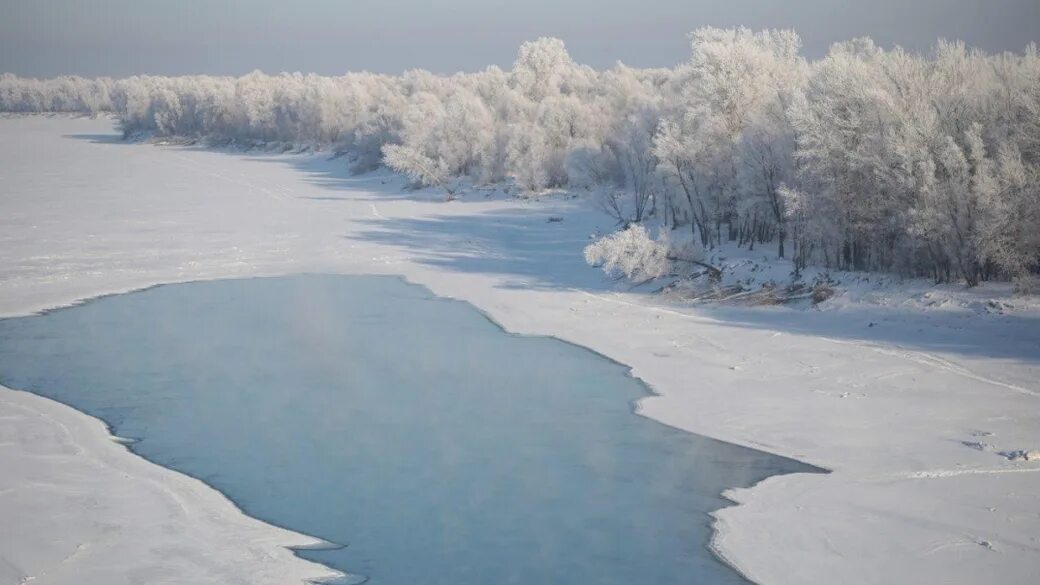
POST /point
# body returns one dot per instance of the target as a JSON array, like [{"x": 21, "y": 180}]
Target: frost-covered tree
[
  {"x": 727, "y": 143},
  {"x": 423, "y": 170}
]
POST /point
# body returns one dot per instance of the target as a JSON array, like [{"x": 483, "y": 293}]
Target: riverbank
[
  {"x": 911, "y": 413},
  {"x": 78, "y": 507}
]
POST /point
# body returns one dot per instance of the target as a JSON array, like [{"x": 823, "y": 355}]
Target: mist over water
[{"x": 365, "y": 411}]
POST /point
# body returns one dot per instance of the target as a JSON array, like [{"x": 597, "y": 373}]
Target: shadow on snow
[{"x": 521, "y": 245}]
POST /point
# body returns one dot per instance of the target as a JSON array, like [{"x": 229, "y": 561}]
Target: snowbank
[
  {"x": 77, "y": 507},
  {"x": 887, "y": 395}
]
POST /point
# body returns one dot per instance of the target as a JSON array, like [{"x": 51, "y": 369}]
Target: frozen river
[{"x": 410, "y": 429}]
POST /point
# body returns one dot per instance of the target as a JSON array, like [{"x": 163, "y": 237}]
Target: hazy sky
[{"x": 122, "y": 37}]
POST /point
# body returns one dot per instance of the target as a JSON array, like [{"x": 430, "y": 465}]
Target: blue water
[{"x": 365, "y": 411}]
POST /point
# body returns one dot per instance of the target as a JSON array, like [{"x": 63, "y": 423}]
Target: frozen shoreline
[
  {"x": 90, "y": 511},
  {"x": 908, "y": 500}
]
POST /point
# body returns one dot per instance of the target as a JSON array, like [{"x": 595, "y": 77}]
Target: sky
[{"x": 116, "y": 38}]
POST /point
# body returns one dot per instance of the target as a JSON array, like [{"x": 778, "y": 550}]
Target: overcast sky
[{"x": 123, "y": 37}]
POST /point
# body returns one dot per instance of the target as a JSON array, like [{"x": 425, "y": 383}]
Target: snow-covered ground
[
  {"x": 910, "y": 399},
  {"x": 76, "y": 507}
]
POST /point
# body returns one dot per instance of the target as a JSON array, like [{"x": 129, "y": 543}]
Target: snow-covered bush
[{"x": 631, "y": 253}]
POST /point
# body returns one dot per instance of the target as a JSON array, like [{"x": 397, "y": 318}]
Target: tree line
[{"x": 865, "y": 159}]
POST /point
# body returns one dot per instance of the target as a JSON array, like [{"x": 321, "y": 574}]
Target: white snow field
[{"x": 910, "y": 402}]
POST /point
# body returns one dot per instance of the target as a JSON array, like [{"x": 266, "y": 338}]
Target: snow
[
  {"x": 887, "y": 385},
  {"x": 78, "y": 508}
]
